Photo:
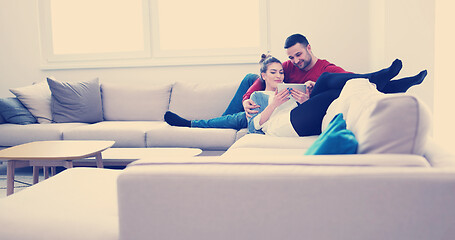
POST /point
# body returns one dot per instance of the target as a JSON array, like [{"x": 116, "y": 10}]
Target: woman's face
[{"x": 273, "y": 76}]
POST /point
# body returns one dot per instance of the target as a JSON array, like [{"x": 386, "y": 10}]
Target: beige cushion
[
  {"x": 126, "y": 134},
  {"x": 123, "y": 102},
  {"x": 214, "y": 139},
  {"x": 201, "y": 100},
  {"x": 382, "y": 123},
  {"x": 37, "y": 99}
]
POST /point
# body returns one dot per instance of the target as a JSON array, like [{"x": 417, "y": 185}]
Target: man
[{"x": 302, "y": 67}]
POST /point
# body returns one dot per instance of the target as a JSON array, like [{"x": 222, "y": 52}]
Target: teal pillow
[
  {"x": 2, "y": 120},
  {"x": 335, "y": 139},
  {"x": 13, "y": 111}
]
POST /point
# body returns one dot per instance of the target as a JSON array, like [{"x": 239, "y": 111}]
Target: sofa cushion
[
  {"x": 13, "y": 111},
  {"x": 294, "y": 156},
  {"x": 203, "y": 138},
  {"x": 124, "y": 133},
  {"x": 82, "y": 202},
  {"x": 135, "y": 102},
  {"x": 254, "y": 140},
  {"x": 37, "y": 99},
  {"x": 382, "y": 123},
  {"x": 335, "y": 139},
  {"x": 76, "y": 101},
  {"x": 201, "y": 100},
  {"x": 14, "y": 134}
]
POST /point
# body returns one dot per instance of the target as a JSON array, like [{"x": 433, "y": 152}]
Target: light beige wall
[
  {"x": 444, "y": 83},
  {"x": 358, "y": 35}
]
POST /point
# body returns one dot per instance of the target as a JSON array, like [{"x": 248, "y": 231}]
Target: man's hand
[
  {"x": 300, "y": 96},
  {"x": 248, "y": 106},
  {"x": 309, "y": 86}
]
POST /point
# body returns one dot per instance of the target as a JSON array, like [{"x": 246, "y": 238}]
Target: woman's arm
[
  {"x": 262, "y": 100},
  {"x": 279, "y": 99}
]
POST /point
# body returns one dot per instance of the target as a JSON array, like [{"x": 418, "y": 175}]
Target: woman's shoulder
[{"x": 260, "y": 94}]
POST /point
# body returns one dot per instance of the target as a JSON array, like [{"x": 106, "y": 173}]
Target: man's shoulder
[
  {"x": 327, "y": 66},
  {"x": 324, "y": 63}
]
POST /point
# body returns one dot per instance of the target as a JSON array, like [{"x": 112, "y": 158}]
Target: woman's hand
[
  {"x": 300, "y": 96},
  {"x": 280, "y": 98}
]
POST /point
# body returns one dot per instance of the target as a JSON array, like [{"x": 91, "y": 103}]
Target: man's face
[{"x": 300, "y": 56}]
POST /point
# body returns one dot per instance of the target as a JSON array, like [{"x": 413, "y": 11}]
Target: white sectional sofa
[
  {"x": 132, "y": 116},
  {"x": 399, "y": 185}
]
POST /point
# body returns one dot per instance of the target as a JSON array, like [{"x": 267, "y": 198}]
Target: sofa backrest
[
  {"x": 201, "y": 100},
  {"x": 382, "y": 123},
  {"x": 135, "y": 102}
]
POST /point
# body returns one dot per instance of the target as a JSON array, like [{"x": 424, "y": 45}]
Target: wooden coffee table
[{"x": 49, "y": 154}]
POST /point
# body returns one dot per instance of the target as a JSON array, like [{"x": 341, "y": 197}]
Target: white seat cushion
[
  {"x": 124, "y": 133},
  {"x": 203, "y": 138},
  {"x": 78, "y": 203},
  {"x": 263, "y": 141},
  {"x": 14, "y": 134},
  {"x": 296, "y": 156}
]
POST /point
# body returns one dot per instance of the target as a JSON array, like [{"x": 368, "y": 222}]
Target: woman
[{"x": 280, "y": 116}]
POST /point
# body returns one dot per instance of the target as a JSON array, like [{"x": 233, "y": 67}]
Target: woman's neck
[{"x": 269, "y": 88}]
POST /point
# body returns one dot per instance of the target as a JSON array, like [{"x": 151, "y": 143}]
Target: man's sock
[
  {"x": 175, "y": 120},
  {"x": 382, "y": 77},
  {"x": 402, "y": 85}
]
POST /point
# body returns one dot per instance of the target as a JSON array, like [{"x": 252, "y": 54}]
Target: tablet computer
[{"x": 289, "y": 86}]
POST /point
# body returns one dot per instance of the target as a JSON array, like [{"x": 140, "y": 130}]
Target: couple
[{"x": 275, "y": 114}]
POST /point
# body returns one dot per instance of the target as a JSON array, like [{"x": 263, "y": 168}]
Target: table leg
[
  {"x": 46, "y": 172},
  {"x": 10, "y": 177},
  {"x": 99, "y": 160},
  {"x": 53, "y": 171},
  {"x": 35, "y": 174}
]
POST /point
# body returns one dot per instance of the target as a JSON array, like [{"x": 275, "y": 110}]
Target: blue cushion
[
  {"x": 13, "y": 111},
  {"x": 76, "y": 101},
  {"x": 335, "y": 139}
]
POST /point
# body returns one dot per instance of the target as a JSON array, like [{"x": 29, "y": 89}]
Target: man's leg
[
  {"x": 328, "y": 81},
  {"x": 306, "y": 119},
  {"x": 402, "y": 85},
  {"x": 235, "y": 105}
]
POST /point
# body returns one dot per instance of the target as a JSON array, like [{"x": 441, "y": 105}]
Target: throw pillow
[
  {"x": 76, "y": 101},
  {"x": 335, "y": 139},
  {"x": 37, "y": 99},
  {"x": 13, "y": 111},
  {"x": 383, "y": 123}
]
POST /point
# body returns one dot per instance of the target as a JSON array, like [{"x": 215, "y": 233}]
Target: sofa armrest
[{"x": 245, "y": 201}]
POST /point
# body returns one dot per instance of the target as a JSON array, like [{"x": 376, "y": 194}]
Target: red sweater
[{"x": 293, "y": 74}]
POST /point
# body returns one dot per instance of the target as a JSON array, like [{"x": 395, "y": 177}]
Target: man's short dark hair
[{"x": 294, "y": 39}]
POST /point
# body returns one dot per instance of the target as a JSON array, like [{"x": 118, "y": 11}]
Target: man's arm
[
  {"x": 256, "y": 86},
  {"x": 248, "y": 104}
]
